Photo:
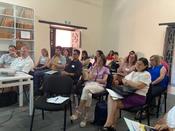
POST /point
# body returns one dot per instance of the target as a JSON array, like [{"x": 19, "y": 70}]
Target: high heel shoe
[{"x": 76, "y": 115}]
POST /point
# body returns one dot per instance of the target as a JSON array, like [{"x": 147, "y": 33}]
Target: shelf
[
  {"x": 24, "y": 29},
  {"x": 24, "y": 40},
  {"x": 28, "y": 19},
  {"x": 6, "y": 27},
  {"x": 4, "y": 15},
  {"x": 16, "y": 24},
  {"x": 6, "y": 39}
]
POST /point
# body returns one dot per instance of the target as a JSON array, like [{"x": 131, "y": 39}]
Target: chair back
[
  {"x": 58, "y": 85},
  {"x": 149, "y": 95},
  {"x": 109, "y": 81}
]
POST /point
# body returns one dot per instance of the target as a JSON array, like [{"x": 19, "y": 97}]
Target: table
[{"x": 20, "y": 79}]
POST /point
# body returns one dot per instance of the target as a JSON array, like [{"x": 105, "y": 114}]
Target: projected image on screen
[{"x": 63, "y": 38}]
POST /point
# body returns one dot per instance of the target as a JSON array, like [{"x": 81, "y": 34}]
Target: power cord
[{"x": 10, "y": 117}]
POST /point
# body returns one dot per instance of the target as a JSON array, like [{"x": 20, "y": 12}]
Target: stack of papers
[
  {"x": 136, "y": 126},
  {"x": 57, "y": 99}
]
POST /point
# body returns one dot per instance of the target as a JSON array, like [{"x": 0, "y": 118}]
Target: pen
[{"x": 56, "y": 99}]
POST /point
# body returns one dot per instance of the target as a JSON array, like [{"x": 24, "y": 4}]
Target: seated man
[
  {"x": 23, "y": 63},
  {"x": 56, "y": 63},
  {"x": 6, "y": 59},
  {"x": 168, "y": 123},
  {"x": 74, "y": 68}
]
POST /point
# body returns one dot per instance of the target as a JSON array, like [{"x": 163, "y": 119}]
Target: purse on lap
[{"x": 124, "y": 90}]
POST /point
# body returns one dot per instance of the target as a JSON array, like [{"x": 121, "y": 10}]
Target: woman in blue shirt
[{"x": 159, "y": 76}]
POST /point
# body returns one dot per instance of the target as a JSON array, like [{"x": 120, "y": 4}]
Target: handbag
[{"x": 124, "y": 90}]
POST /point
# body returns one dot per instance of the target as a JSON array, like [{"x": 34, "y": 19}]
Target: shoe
[
  {"x": 76, "y": 115},
  {"x": 83, "y": 123},
  {"x": 140, "y": 115},
  {"x": 108, "y": 129}
]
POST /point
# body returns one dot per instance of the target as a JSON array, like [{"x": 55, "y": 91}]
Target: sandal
[
  {"x": 140, "y": 115},
  {"x": 76, "y": 115},
  {"x": 83, "y": 123}
]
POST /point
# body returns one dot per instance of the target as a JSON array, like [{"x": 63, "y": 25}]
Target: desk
[{"x": 19, "y": 80}]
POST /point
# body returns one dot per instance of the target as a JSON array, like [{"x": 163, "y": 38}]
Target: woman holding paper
[
  {"x": 97, "y": 80},
  {"x": 139, "y": 79}
]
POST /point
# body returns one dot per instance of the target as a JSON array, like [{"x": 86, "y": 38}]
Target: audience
[
  {"x": 139, "y": 79},
  {"x": 43, "y": 60},
  {"x": 74, "y": 68},
  {"x": 130, "y": 72},
  {"x": 165, "y": 64},
  {"x": 125, "y": 68},
  {"x": 85, "y": 60},
  {"x": 56, "y": 63},
  {"x": 23, "y": 63},
  {"x": 6, "y": 59},
  {"x": 168, "y": 122},
  {"x": 158, "y": 75},
  {"x": 66, "y": 55},
  {"x": 98, "y": 54},
  {"x": 97, "y": 80},
  {"x": 110, "y": 55},
  {"x": 115, "y": 63}
]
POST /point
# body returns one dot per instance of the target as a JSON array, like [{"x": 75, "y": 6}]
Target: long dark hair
[
  {"x": 127, "y": 58},
  {"x": 86, "y": 55}
]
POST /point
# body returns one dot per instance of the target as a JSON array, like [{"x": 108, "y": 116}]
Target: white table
[{"x": 19, "y": 80}]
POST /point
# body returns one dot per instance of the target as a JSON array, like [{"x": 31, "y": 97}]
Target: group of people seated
[
  {"x": 130, "y": 71},
  {"x": 21, "y": 62}
]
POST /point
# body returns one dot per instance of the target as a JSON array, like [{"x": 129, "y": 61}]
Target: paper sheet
[
  {"x": 51, "y": 72},
  {"x": 114, "y": 95},
  {"x": 57, "y": 99},
  {"x": 136, "y": 126}
]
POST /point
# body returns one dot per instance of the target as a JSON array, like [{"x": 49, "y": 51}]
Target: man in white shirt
[
  {"x": 23, "y": 63},
  {"x": 7, "y": 59}
]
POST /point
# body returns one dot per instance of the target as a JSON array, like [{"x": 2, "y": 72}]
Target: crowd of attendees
[{"x": 129, "y": 71}]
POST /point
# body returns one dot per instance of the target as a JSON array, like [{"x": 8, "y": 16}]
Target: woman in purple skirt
[{"x": 139, "y": 79}]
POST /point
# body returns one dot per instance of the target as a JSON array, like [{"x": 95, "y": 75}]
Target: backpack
[
  {"x": 100, "y": 114},
  {"x": 8, "y": 98}
]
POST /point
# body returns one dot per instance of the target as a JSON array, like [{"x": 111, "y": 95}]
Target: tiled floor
[{"x": 14, "y": 118}]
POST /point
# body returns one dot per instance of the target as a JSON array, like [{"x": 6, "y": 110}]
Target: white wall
[
  {"x": 80, "y": 12},
  {"x": 122, "y": 25},
  {"x": 133, "y": 25}
]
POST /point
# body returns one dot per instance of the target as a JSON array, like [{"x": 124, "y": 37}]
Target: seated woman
[
  {"x": 85, "y": 60},
  {"x": 125, "y": 68},
  {"x": 43, "y": 60},
  {"x": 110, "y": 55},
  {"x": 158, "y": 75},
  {"x": 67, "y": 56},
  {"x": 139, "y": 79},
  {"x": 97, "y": 80},
  {"x": 114, "y": 65}
]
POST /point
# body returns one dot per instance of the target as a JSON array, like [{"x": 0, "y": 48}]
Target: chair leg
[
  {"x": 158, "y": 106},
  {"x": 70, "y": 104},
  {"x": 140, "y": 116},
  {"x": 43, "y": 114},
  {"x": 65, "y": 117},
  {"x": 165, "y": 97},
  {"x": 120, "y": 113},
  {"x": 148, "y": 116},
  {"x": 31, "y": 124}
]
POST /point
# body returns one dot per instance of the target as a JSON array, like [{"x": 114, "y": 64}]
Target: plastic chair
[{"x": 54, "y": 86}]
